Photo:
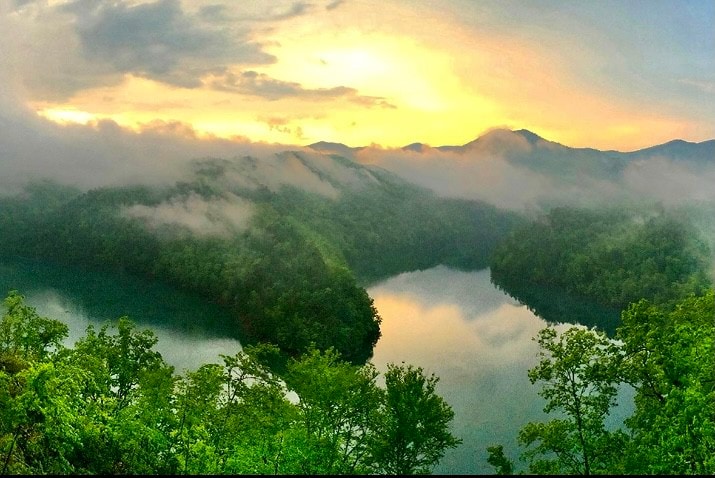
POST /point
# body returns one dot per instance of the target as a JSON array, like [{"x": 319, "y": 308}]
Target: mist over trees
[
  {"x": 287, "y": 261},
  {"x": 613, "y": 256}
]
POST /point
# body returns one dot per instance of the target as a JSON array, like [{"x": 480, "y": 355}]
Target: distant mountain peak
[
  {"x": 416, "y": 147},
  {"x": 335, "y": 148},
  {"x": 327, "y": 145},
  {"x": 528, "y": 135},
  {"x": 504, "y": 136}
]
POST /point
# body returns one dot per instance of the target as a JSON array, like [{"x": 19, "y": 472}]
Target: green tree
[
  {"x": 579, "y": 370},
  {"x": 670, "y": 360},
  {"x": 128, "y": 395},
  {"x": 24, "y": 335},
  {"x": 338, "y": 412},
  {"x": 414, "y": 425},
  {"x": 502, "y": 465}
]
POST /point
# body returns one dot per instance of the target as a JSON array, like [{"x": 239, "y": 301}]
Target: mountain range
[
  {"x": 677, "y": 148},
  {"x": 518, "y": 169}
]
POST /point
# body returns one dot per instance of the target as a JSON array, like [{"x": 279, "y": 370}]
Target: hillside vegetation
[
  {"x": 287, "y": 256},
  {"x": 614, "y": 256},
  {"x": 665, "y": 354}
]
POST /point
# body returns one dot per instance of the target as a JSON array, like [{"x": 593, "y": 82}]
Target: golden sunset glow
[
  {"x": 391, "y": 74},
  {"x": 66, "y": 116}
]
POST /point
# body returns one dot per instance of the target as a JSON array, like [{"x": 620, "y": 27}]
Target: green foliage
[
  {"x": 614, "y": 257},
  {"x": 502, "y": 465},
  {"x": 579, "y": 371},
  {"x": 414, "y": 429},
  {"x": 669, "y": 359},
  {"x": 26, "y": 336},
  {"x": 666, "y": 355},
  {"x": 111, "y": 405},
  {"x": 338, "y": 413}
]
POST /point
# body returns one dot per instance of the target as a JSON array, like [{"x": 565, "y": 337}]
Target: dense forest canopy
[{"x": 614, "y": 256}]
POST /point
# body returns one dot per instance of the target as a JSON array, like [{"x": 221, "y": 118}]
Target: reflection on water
[
  {"x": 553, "y": 304},
  {"x": 478, "y": 340},
  {"x": 190, "y": 331}
]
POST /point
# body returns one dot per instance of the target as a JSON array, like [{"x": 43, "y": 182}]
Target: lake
[
  {"x": 191, "y": 331},
  {"x": 454, "y": 324}
]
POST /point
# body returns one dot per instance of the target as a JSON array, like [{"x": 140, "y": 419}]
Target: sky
[{"x": 620, "y": 75}]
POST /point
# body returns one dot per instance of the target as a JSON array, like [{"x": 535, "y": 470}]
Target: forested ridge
[{"x": 614, "y": 256}]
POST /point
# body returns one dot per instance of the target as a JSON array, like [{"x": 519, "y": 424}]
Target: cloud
[
  {"x": 261, "y": 12},
  {"x": 669, "y": 181},
  {"x": 296, "y": 9},
  {"x": 490, "y": 179},
  {"x": 159, "y": 40},
  {"x": 490, "y": 174},
  {"x": 216, "y": 217},
  {"x": 518, "y": 170},
  {"x": 282, "y": 125},
  {"x": 334, "y": 4},
  {"x": 704, "y": 86},
  {"x": 304, "y": 170},
  {"x": 104, "y": 40},
  {"x": 103, "y": 153},
  {"x": 215, "y": 13},
  {"x": 261, "y": 85}
]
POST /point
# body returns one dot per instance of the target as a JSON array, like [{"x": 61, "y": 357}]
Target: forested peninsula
[
  {"x": 290, "y": 263},
  {"x": 611, "y": 255}
]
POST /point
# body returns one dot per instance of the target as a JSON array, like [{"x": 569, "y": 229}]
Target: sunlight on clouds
[
  {"x": 65, "y": 116},
  {"x": 389, "y": 74}
]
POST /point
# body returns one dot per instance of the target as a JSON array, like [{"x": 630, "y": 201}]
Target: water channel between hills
[{"x": 454, "y": 324}]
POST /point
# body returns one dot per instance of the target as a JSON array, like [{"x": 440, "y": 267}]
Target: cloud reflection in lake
[{"x": 478, "y": 341}]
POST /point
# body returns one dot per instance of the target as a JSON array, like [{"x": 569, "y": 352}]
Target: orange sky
[{"x": 363, "y": 72}]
